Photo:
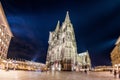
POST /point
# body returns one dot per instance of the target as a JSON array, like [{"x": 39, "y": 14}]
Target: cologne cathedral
[{"x": 62, "y": 50}]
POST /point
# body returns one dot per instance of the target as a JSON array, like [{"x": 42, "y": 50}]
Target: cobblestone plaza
[{"x": 26, "y": 75}]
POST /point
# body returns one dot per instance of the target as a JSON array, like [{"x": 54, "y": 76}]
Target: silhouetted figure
[
  {"x": 85, "y": 71},
  {"x": 111, "y": 71},
  {"x": 115, "y": 73},
  {"x": 119, "y": 73}
]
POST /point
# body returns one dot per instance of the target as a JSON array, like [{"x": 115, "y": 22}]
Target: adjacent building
[
  {"x": 83, "y": 60},
  {"x": 5, "y": 34},
  {"x": 115, "y": 54},
  {"x": 22, "y": 65},
  {"x": 62, "y": 51}
]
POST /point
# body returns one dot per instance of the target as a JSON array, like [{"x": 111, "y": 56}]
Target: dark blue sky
[{"x": 96, "y": 24}]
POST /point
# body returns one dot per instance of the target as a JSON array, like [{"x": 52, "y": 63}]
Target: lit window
[
  {"x": 119, "y": 48},
  {"x": 0, "y": 30},
  {"x": 0, "y": 40},
  {"x": 2, "y": 33},
  {"x": 4, "y": 45}
]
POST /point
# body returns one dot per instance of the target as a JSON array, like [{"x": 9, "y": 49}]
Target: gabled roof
[
  {"x": 83, "y": 53},
  {"x": 4, "y": 20},
  {"x": 118, "y": 41}
]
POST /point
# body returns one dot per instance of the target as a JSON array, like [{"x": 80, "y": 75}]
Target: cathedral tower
[{"x": 62, "y": 50}]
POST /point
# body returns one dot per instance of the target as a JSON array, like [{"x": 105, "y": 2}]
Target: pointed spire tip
[
  {"x": 67, "y": 18},
  {"x": 58, "y": 21},
  {"x": 67, "y": 12},
  {"x": 57, "y": 26}
]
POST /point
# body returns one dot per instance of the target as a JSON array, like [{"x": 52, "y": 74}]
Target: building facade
[
  {"x": 83, "y": 60},
  {"x": 5, "y": 34},
  {"x": 115, "y": 54},
  {"x": 62, "y": 51},
  {"x": 22, "y": 65}
]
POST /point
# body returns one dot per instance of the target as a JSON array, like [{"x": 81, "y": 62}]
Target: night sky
[{"x": 96, "y": 24}]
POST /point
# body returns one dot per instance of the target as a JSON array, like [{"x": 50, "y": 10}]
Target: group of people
[{"x": 116, "y": 72}]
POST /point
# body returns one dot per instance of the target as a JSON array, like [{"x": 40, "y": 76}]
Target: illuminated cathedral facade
[{"x": 62, "y": 50}]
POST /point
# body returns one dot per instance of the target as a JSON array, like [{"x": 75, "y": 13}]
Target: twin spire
[
  {"x": 67, "y": 20},
  {"x": 58, "y": 26}
]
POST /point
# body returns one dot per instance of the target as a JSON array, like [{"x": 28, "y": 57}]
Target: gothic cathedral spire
[
  {"x": 58, "y": 26},
  {"x": 62, "y": 51},
  {"x": 67, "y": 18}
]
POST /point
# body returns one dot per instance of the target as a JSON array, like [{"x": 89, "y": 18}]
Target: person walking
[
  {"x": 85, "y": 71},
  {"x": 119, "y": 74},
  {"x": 115, "y": 73},
  {"x": 110, "y": 71}
]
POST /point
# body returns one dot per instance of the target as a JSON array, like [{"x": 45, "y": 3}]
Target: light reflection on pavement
[{"x": 31, "y": 75}]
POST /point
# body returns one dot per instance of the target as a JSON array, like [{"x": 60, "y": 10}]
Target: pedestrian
[
  {"x": 85, "y": 71},
  {"x": 115, "y": 73},
  {"x": 110, "y": 71},
  {"x": 119, "y": 73}
]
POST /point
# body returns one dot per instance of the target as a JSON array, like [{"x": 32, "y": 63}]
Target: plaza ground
[{"x": 31, "y": 75}]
